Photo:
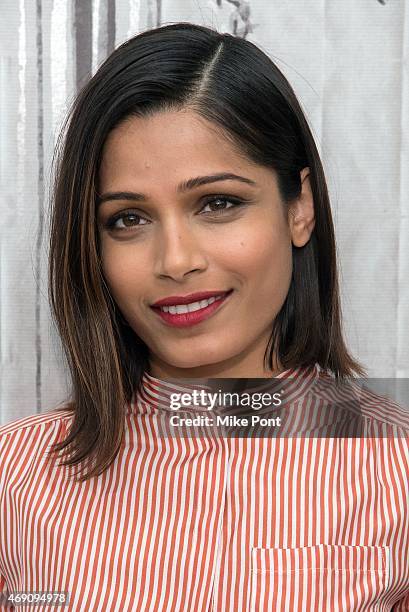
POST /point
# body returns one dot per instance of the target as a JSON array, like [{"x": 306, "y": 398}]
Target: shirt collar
[{"x": 154, "y": 393}]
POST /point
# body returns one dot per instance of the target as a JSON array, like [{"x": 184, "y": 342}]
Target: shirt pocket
[{"x": 322, "y": 578}]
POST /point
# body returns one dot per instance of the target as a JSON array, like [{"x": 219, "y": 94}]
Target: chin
[
  {"x": 188, "y": 364},
  {"x": 203, "y": 360}
]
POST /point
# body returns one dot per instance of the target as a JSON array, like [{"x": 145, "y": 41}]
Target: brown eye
[
  {"x": 128, "y": 220},
  {"x": 219, "y": 204}
]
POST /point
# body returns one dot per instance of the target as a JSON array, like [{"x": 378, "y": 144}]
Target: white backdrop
[{"x": 348, "y": 63}]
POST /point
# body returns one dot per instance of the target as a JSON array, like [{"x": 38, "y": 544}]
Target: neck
[{"x": 159, "y": 369}]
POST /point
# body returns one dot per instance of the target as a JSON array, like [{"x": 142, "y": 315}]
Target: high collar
[{"x": 154, "y": 393}]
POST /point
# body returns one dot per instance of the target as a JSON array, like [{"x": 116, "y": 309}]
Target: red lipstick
[
  {"x": 188, "y": 319},
  {"x": 172, "y": 300}
]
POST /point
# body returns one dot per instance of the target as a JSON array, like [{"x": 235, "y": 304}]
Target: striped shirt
[{"x": 213, "y": 522}]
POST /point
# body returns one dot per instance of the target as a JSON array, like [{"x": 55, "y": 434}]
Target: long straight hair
[{"x": 230, "y": 82}]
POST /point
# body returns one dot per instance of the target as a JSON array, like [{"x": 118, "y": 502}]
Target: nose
[{"x": 178, "y": 252}]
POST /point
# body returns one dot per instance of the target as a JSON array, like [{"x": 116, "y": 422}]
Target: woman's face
[{"x": 213, "y": 235}]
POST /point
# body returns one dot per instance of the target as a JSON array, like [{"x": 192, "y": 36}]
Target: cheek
[
  {"x": 271, "y": 276},
  {"x": 265, "y": 254},
  {"x": 120, "y": 271}
]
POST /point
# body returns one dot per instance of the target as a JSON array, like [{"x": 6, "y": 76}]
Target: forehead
[{"x": 170, "y": 143}]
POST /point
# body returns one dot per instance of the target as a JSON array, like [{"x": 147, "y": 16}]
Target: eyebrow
[{"x": 184, "y": 186}]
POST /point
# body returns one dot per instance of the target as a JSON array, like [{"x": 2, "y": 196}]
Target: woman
[{"x": 192, "y": 238}]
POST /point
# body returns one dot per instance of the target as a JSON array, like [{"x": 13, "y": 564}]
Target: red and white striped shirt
[{"x": 218, "y": 523}]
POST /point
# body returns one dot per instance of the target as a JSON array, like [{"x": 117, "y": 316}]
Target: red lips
[
  {"x": 173, "y": 300},
  {"x": 188, "y": 319}
]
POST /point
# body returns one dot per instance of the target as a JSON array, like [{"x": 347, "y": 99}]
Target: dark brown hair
[{"x": 232, "y": 83}]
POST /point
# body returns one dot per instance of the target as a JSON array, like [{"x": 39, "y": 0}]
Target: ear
[{"x": 301, "y": 217}]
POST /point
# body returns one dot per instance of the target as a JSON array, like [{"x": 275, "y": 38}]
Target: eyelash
[{"x": 110, "y": 224}]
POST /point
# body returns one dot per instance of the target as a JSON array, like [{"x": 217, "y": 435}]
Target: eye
[
  {"x": 130, "y": 220},
  {"x": 235, "y": 202},
  {"x": 127, "y": 215}
]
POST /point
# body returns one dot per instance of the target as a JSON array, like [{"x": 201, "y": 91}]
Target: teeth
[{"x": 183, "y": 308}]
